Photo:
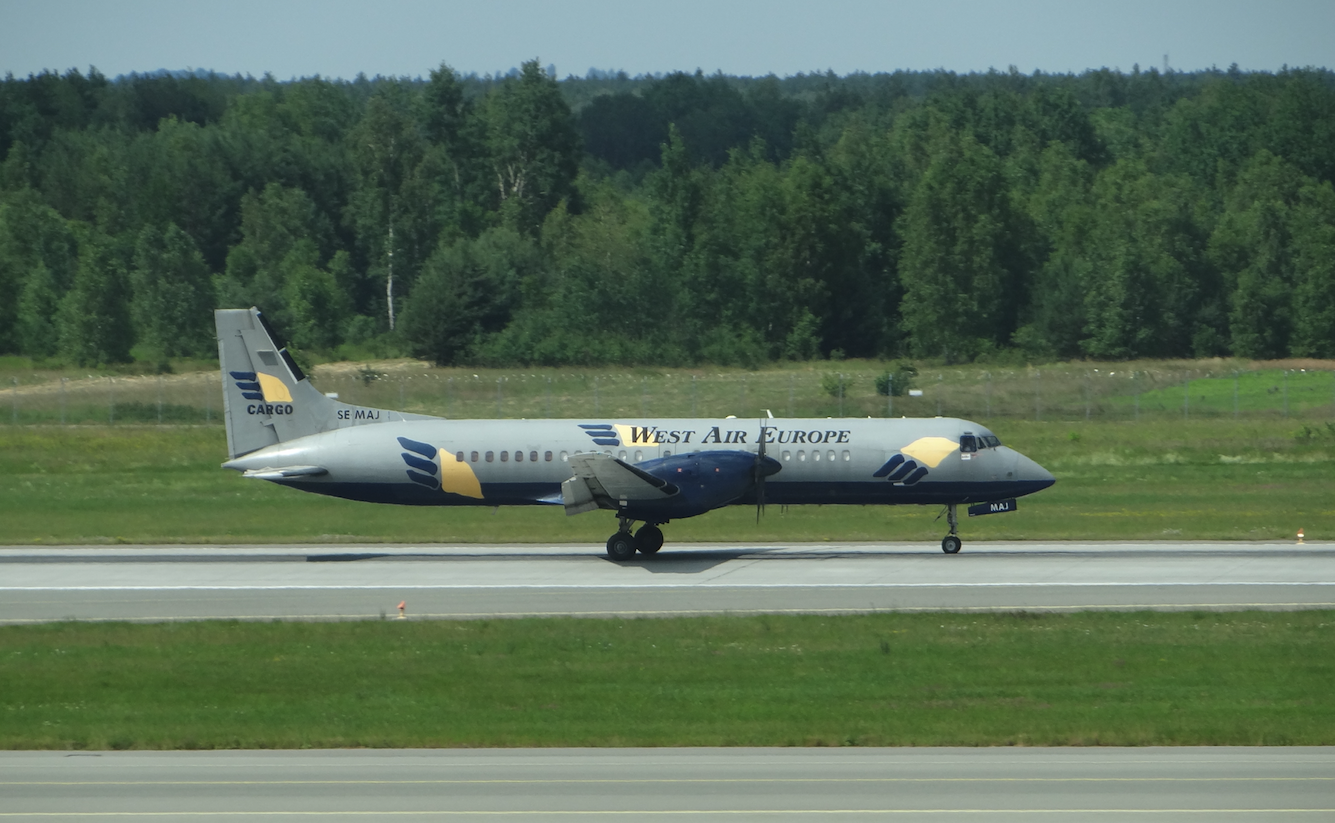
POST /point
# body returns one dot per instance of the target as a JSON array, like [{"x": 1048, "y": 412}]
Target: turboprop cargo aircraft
[{"x": 280, "y": 428}]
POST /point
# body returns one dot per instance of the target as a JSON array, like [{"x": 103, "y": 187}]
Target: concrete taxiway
[
  {"x": 1234, "y": 784},
  {"x": 358, "y": 582}
]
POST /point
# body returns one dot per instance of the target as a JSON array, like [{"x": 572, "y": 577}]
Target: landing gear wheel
[
  {"x": 621, "y": 546},
  {"x": 649, "y": 539},
  {"x": 952, "y": 543}
]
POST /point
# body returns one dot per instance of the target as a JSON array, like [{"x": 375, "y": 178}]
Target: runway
[
  {"x": 459, "y": 582},
  {"x": 1234, "y": 784}
]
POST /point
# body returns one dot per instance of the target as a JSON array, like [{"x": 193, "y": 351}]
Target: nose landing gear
[{"x": 951, "y": 543}]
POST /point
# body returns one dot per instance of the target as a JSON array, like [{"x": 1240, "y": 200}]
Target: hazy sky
[{"x": 339, "y": 38}]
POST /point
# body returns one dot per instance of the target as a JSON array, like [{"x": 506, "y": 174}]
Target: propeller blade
[{"x": 758, "y": 473}]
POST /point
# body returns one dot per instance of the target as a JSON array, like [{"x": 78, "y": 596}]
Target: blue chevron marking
[
  {"x": 889, "y": 466},
  {"x": 423, "y": 480},
  {"x": 916, "y": 476},
  {"x": 902, "y": 472},
  {"x": 424, "y": 449},
  {"x": 418, "y": 463}
]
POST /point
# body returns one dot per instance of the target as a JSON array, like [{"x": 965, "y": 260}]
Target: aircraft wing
[{"x": 603, "y": 482}]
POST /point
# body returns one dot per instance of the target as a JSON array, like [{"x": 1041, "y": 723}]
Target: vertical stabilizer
[{"x": 267, "y": 399}]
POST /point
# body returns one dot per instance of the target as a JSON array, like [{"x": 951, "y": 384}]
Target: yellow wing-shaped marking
[
  {"x": 457, "y": 477},
  {"x": 930, "y": 451},
  {"x": 274, "y": 390}
]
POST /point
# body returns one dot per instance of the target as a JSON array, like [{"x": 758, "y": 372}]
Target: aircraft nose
[{"x": 1031, "y": 476}]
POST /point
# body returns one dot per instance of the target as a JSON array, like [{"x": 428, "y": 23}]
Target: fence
[{"x": 1058, "y": 393}]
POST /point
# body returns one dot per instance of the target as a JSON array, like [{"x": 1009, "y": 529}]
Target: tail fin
[{"x": 266, "y": 396}]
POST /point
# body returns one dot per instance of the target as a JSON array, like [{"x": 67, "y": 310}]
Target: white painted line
[{"x": 618, "y": 586}]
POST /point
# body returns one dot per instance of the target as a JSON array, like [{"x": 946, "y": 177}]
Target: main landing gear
[
  {"x": 622, "y": 546},
  {"x": 951, "y": 543}
]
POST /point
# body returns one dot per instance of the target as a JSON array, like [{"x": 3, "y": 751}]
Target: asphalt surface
[
  {"x": 359, "y": 582},
  {"x": 1233, "y": 784}
]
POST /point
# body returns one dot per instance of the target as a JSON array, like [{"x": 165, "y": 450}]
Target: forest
[{"x": 672, "y": 219}]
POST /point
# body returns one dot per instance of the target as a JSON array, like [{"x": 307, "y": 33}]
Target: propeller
[{"x": 762, "y": 468}]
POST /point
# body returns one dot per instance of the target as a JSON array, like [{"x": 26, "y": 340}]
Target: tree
[
  {"x": 960, "y": 293},
  {"x": 1253, "y": 247},
  {"x": 273, "y": 223},
  {"x": 1145, "y": 278},
  {"x": 37, "y": 306},
  {"x": 182, "y": 176},
  {"x": 386, "y": 149},
  {"x": 467, "y": 289},
  {"x": 173, "y": 294},
  {"x": 94, "y": 316},
  {"x": 38, "y": 258},
  {"x": 1061, "y": 211},
  {"x": 1313, "y": 225},
  {"x": 532, "y": 145},
  {"x": 454, "y": 172},
  {"x": 314, "y": 309}
]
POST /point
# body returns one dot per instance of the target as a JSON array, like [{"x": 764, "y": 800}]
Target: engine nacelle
[{"x": 705, "y": 481}]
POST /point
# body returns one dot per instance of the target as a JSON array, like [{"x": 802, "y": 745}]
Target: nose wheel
[{"x": 951, "y": 544}]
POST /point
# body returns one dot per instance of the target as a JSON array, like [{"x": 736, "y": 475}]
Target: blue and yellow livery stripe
[
  {"x": 924, "y": 452},
  {"x": 261, "y": 386},
  {"x": 425, "y": 461}
]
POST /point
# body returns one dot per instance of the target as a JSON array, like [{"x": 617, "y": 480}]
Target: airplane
[{"x": 650, "y": 471}]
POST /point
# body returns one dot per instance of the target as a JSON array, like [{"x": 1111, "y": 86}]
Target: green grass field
[
  {"x": 1050, "y": 392},
  {"x": 1164, "y": 479},
  {"x": 1149, "y": 470},
  {"x": 1129, "y": 679}
]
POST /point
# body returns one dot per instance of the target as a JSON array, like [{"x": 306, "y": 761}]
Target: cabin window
[
  {"x": 801, "y": 456},
  {"x": 639, "y": 455},
  {"x": 458, "y": 457},
  {"x": 623, "y": 454},
  {"x": 519, "y": 456},
  {"x": 548, "y": 456},
  {"x": 505, "y": 457},
  {"x": 787, "y": 456},
  {"x": 847, "y": 456},
  {"x": 667, "y": 453},
  {"x": 815, "y": 455},
  {"x": 474, "y": 456},
  {"x": 533, "y": 457},
  {"x": 491, "y": 456},
  {"x": 564, "y": 457}
]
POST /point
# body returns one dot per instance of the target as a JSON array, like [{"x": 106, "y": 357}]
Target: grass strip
[{"x": 1123, "y": 679}]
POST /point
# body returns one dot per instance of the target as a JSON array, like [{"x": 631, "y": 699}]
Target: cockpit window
[
  {"x": 968, "y": 444},
  {"x": 991, "y": 441}
]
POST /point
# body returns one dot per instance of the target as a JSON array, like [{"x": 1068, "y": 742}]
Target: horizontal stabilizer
[{"x": 285, "y": 472}]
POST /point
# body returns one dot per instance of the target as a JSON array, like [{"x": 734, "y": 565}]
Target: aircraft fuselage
[{"x": 524, "y": 462}]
